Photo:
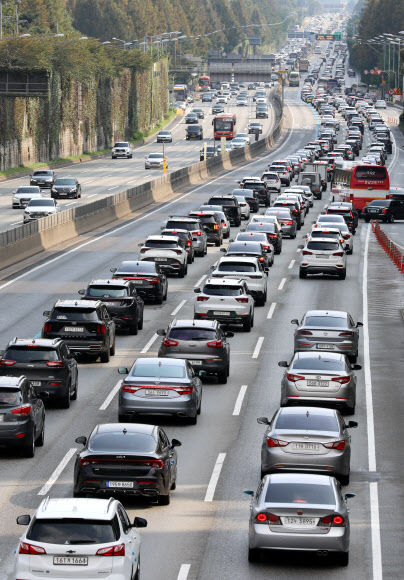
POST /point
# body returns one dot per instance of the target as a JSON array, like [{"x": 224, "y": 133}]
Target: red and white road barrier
[{"x": 393, "y": 250}]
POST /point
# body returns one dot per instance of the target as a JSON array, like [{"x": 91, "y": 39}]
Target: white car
[
  {"x": 245, "y": 268},
  {"x": 237, "y": 143},
  {"x": 380, "y": 104},
  {"x": 154, "y": 161},
  {"x": 167, "y": 252},
  {"x": 263, "y": 219},
  {"x": 272, "y": 180},
  {"x": 23, "y": 195},
  {"x": 122, "y": 149},
  {"x": 73, "y": 538},
  {"x": 344, "y": 231},
  {"x": 306, "y": 191},
  {"x": 327, "y": 219},
  {"x": 244, "y": 136},
  {"x": 244, "y": 207},
  {"x": 322, "y": 256},
  {"x": 40, "y": 207},
  {"x": 221, "y": 100},
  {"x": 226, "y": 300}
]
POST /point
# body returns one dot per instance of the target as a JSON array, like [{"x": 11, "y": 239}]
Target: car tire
[
  {"x": 29, "y": 446},
  {"x": 113, "y": 348},
  {"x": 302, "y": 273},
  {"x": 218, "y": 243},
  {"x": 262, "y": 299},
  {"x": 222, "y": 377},
  {"x": 181, "y": 272},
  {"x": 140, "y": 323},
  {"x": 391, "y": 219},
  {"x": 65, "y": 400},
  {"x": 344, "y": 479},
  {"x": 193, "y": 420},
  {"x": 133, "y": 328},
  {"x": 253, "y": 555},
  {"x": 367, "y": 220},
  {"x": 248, "y": 325},
  {"x": 342, "y": 275},
  {"x": 40, "y": 440},
  {"x": 174, "y": 485},
  {"x": 105, "y": 356},
  {"x": 159, "y": 299},
  {"x": 164, "y": 499},
  {"x": 343, "y": 558},
  {"x": 73, "y": 397},
  {"x": 293, "y": 236}
]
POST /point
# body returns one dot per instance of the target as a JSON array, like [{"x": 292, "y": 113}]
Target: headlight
[
  {"x": 54, "y": 189},
  {"x": 33, "y": 180},
  {"x": 73, "y": 190}
]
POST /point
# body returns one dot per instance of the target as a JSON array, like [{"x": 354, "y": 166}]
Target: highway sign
[
  {"x": 281, "y": 72},
  {"x": 397, "y": 92}
]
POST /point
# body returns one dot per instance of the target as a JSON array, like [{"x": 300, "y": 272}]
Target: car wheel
[
  {"x": 41, "y": 439},
  {"x": 302, "y": 273},
  {"x": 133, "y": 329},
  {"x": 105, "y": 356},
  {"x": 29, "y": 447},
  {"x": 262, "y": 299},
  {"x": 218, "y": 243},
  {"x": 350, "y": 251},
  {"x": 174, "y": 485},
  {"x": 206, "y": 249},
  {"x": 247, "y": 325},
  {"x": 344, "y": 479},
  {"x": 228, "y": 370},
  {"x": 164, "y": 499},
  {"x": 343, "y": 558},
  {"x": 293, "y": 236},
  {"x": 140, "y": 323},
  {"x": 253, "y": 555},
  {"x": 65, "y": 400},
  {"x": 113, "y": 348},
  {"x": 159, "y": 299},
  {"x": 181, "y": 272},
  {"x": 367, "y": 220},
  {"x": 222, "y": 377},
  {"x": 342, "y": 275},
  {"x": 391, "y": 220},
  {"x": 73, "y": 397}
]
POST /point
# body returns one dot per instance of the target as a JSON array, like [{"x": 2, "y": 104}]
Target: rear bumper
[
  {"x": 88, "y": 347},
  {"x": 182, "y": 406},
  {"x": 262, "y": 537},
  {"x": 323, "y": 269}
]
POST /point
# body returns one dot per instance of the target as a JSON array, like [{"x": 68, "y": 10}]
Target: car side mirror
[
  {"x": 248, "y": 492},
  {"x": 24, "y": 520},
  {"x": 352, "y": 424},
  {"x": 357, "y": 367},
  {"x": 175, "y": 443},
  {"x": 113, "y": 270},
  {"x": 283, "y": 363},
  {"x": 202, "y": 374},
  {"x": 242, "y": 230},
  {"x": 300, "y": 247},
  {"x": 313, "y": 222},
  {"x": 139, "y": 523},
  {"x": 123, "y": 371},
  {"x": 197, "y": 290},
  {"x": 359, "y": 324},
  {"x": 82, "y": 292},
  {"x": 350, "y": 495},
  {"x": 223, "y": 250},
  {"x": 263, "y": 420},
  {"x": 295, "y": 321},
  {"x": 229, "y": 334},
  {"x": 81, "y": 440},
  {"x": 140, "y": 245},
  {"x": 46, "y": 313},
  {"x": 161, "y": 332}
]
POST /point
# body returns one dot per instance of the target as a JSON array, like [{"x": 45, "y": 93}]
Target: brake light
[
  {"x": 143, "y": 250},
  {"x": 346, "y": 334},
  {"x": 7, "y": 363},
  {"x": 100, "y": 328},
  {"x": 287, "y": 223},
  {"x": 155, "y": 463},
  {"x": 338, "y": 254},
  {"x": 385, "y": 210},
  {"x": 118, "y": 550},
  {"x": 347, "y": 236},
  {"x": 202, "y": 298},
  {"x": 47, "y": 327},
  {"x": 169, "y": 342},
  {"x": 271, "y": 442},
  {"x": 54, "y": 363},
  {"x": 338, "y": 521},
  {"x": 26, "y": 548},
  {"x": 294, "y": 378},
  {"x": 151, "y": 280},
  {"x": 130, "y": 388},
  {"x": 197, "y": 233},
  {"x": 307, "y": 253},
  {"x": 261, "y": 259},
  {"x": 272, "y": 235},
  {"x": 342, "y": 380},
  {"x": 244, "y": 300},
  {"x": 215, "y": 344},
  {"x": 305, "y": 332},
  {"x": 263, "y": 517},
  {"x": 188, "y": 243},
  {"x": 339, "y": 445},
  {"x": 22, "y": 411},
  {"x": 293, "y": 210}
]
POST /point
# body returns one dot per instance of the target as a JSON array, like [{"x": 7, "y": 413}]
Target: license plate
[
  {"x": 219, "y": 313},
  {"x": 110, "y": 303},
  {"x": 305, "y": 446},
  {"x": 195, "y": 362},
  {"x": 296, "y": 521},
  {"x": 70, "y": 560},
  {"x": 317, "y": 383},
  {"x": 139, "y": 281},
  {"x": 322, "y": 256},
  {"x": 36, "y": 383},
  {"x": 120, "y": 484},
  {"x": 74, "y": 329},
  {"x": 374, "y": 211},
  {"x": 160, "y": 259},
  {"x": 157, "y": 392},
  {"x": 325, "y": 346}
]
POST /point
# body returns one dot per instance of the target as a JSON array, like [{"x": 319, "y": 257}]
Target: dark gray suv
[{"x": 202, "y": 342}]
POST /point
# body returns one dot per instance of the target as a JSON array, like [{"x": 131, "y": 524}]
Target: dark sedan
[
  {"x": 148, "y": 278},
  {"x": 384, "y": 210},
  {"x": 44, "y": 178},
  {"x": 272, "y": 231},
  {"x": 66, "y": 187}
]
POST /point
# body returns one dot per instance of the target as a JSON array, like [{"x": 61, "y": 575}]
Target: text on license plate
[
  {"x": 36, "y": 383},
  {"x": 110, "y": 303},
  {"x": 317, "y": 383},
  {"x": 325, "y": 346},
  {"x": 220, "y": 313},
  {"x": 70, "y": 560},
  {"x": 195, "y": 362},
  {"x": 161, "y": 259},
  {"x": 305, "y": 446},
  {"x": 120, "y": 484},
  {"x": 294, "y": 521},
  {"x": 74, "y": 329},
  {"x": 322, "y": 256},
  {"x": 157, "y": 392}
]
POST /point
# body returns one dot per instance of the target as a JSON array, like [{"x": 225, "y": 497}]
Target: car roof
[
  {"x": 69, "y": 507},
  {"x": 224, "y": 281},
  {"x": 109, "y": 282},
  {"x": 48, "y": 342},
  {"x": 78, "y": 303},
  {"x": 126, "y": 428},
  {"x": 11, "y": 382},
  {"x": 331, "y": 313}
]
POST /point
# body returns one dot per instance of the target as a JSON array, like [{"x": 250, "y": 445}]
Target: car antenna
[
  {"x": 124, "y": 431},
  {"x": 307, "y": 413}
]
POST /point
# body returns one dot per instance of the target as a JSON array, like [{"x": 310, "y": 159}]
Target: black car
[
  {"x": 121, "y": 299},
  {"x": 274, "y": 234},
  {"x": 212, "y": 225},
  {"x": 191, "y": 118},
  {"x": 354, "y": 144},
  {"x": 148, "y": 278},
  {"x": 230, "y": 207},
  {"x": 66, "y": 187},
  {"x": 126, "y": 459},
  {"x": 259, "y": 187},
  {"x": 22, "y": 415},
  {"x": 84, "y": 325},
  {"x": 217, "y": 109},
  {"x": 194, "y": 132},
  {"x": 251, "y": 198},
  {"x": 200, "y": 113},
  {"x": 185, "y": 238},
  {"x": 384, "y": 137},
  {"x": 44, "y": 178},
  {"x": 249, "y": 249},
  {"x": 47, "y": 363},
  {"x": 386, "y": 210}
]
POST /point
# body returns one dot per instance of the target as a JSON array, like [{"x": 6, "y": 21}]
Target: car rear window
[
  {"x": 380, "y": 203},
  {"x": 182, "y": 225},
  {"x": 160, "y": 244},
  {"x": 306, "y": 422},
  {"x": 323, "y": 246},
  {"x": 248, "y": 247},
  {"x": 300, "y": 493},
  {"x": 222, "y": 202},
  {"x": 107, "y": 291},
  {"x": 319, "y": 363},
  {"x": 47, "y": 173},
  {"x": 325, "y": 321},
  {"x": 192, "y": 333},
  {"x": 330, "y": 218},
  {"x": 120, "y": 442},
  {"x": 320, "y": 234},
  {"x": 252, "y": 237},
  {"x": 66, "y": 313},
  {"x": 221, "y": 290},
  {"x": 10, "y": 396},
  {"x": 254, "y": 185},
  {"x": 69, "y": 531},
  {"x": 236, "y": 267},
  {"x": 158, "y": 370},
  {"x": 266, "y": 227},
  {"x": 29, "y": 354},
  {"x": 132, "y": 267}
]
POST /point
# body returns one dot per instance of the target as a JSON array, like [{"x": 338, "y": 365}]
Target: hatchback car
[
  {"x": 157, "y": 386},
  {"x": 327, "y": 330},
  {"x": 44, "y": 178},
  {"x": 68, "y": 187},
  {"x": 48, "y": 365},
  {"x": 319, "y": 378},
  {"x": 202, "y": 342},
  {"x": 307, "y": 439},
  {"x": 272, "y": 181},
  {"x": 299, "y": 511},
  {"x": 322, "y": 256},
  {"x": 23, "y": 195},
  {"x": 101, "y": 542},
  {"x": 117, "y": 459},
  {"x": 22, "y": 423},
  {"x": 154, "y": 161},
  {"x": 149, "y": 280}
]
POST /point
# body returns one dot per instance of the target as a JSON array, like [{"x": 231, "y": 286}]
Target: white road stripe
[
  {"x": 133, "y": 181},
  {"x": 115, "y": 186},
  {"x": 292, "y": 263},
  {"x": 271, "y": 310},
  {"x": 16, "y": 223},
  {"x": 258, "y": 347},
  {"x": 92, "y": 195},
  {"x": 55, "y": 475},
  {"x": 210, "y": 492},
  {"x": 72, "y": 203},
  {"x": 239, "y": 401},
  {"x": 111, "y": 395},
  {"x": 282, "y": 284},
  {"x": 200, "y": 281},
  {"x": 298, "y": 250},
  {"x": 180, "y": 305},
  {"x": 91, "y": 181},
  {"x": 184, "y": 571},
  {"x": 148, "y": 345}
]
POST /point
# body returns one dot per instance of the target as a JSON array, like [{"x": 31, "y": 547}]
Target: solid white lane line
[
  {"x": 111, "y": 395},
  {"x": 115, "y": 186},
  {"x": 55, "y": 475},
  {"x": 92, "y": 195},
  {"x": 72, "y": 203},
  {"x": 180, "y": 305},
  {"x": 200, "y": 281},
  {"x": 148, "y": 345},
  {"x": 373, "y": 487},
  {"x": 271, "y": 310},
  {"x": 239, "y": 401},
  {"x": 210, "y": 492},
  {"x": 184, "y": 571},
  {"x": 292, "y": 263},
  {"x": 282, "y": 284},
  {"x": 16, "y": 223},
  {"x": 258, "y": 347}
]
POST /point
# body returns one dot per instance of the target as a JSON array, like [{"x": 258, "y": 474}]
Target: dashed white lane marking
[
  {"x": 239, "y": 401},
  {"x": 257, "y": 348},
  {"x": 55, "y": 475},
  {"x": 282, "y": 284},
  {"x": 148, "y": 345},
  {"x": 210, "y": 492},
  {"x": 115, "y": 186},
  {"x": 93, "y": 195},
  {"x": 180, "y": 305},
  {"x": 292, "y": 263},
  {"x": 271, "y": 310},
  {"x": 184, "y": 571},
  {"x": 111, "y": 395},
  {"x": 200, "y": 281}
]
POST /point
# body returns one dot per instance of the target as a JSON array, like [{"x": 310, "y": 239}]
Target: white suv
[
  {"x": 77, "y": 538},
  {"x": 227, "y": 300},
  {"x": 168, "y": 252},
  {"x": 244, "y": 268},
  {"x": 122, "y": 149},
  {"x": 322, "y": 256}
]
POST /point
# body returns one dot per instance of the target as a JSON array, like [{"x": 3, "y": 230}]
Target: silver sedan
[
  {"x": 307, "y": 439},
  {"x": 330, "y": 330},
  {"x": 299, "y": 512},
  {"x": 321, "y": 379}
]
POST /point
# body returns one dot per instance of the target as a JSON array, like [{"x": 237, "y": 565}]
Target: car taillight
[
  {"x": 305, "y": 332},
  {"x": 294, "y": 378},
  {"x": 263, "y": 518},
  {"x": 130, "y": 388},
  {"x": 118, "y": 550},
  {"x": 30, "y": 549},
  {"x": 244, "y": 300},
  {"x": 202, "y": 298},
  {"x": 339, "y": 445},
  {"x": 307, "y": 253},
  {"x": 183, "y": 390},
  {"x": 271, "y": 442},
  {"x": 189, "y": 243},
  {"x": 331, "y": 520},
  {"x": 100, "y": 328},
  {"x": 22, "y": 411},
  {"x": 342, "y": 380},
  {"x": 7, "y": 363},
  {"x": 346, "y": 334},
  {"x": 338, "y": 254},
  {"x": 47, "y": 327},
  {"x": 170, "y": 342},
  {"x": 151, "y": 280},
  {"x": 143, "y": 250},
  {"x": 293, "y": 210},
  {"x": 215, "y": 344},
  {"x": 347, "y": 236},
  {"x": 287, "y": 222},
  {"x": 272, "y": 235},
  {"x": 197, "y": 233},
  {"x": 54, "y": 363},
  {"x": 385, "y": 210},
  {"x": 261, "y": 259}
]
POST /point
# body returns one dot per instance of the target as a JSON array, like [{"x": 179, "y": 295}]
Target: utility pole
[
  {"x": 16, "y": 19},
  {"x": 1, "y": 18}
]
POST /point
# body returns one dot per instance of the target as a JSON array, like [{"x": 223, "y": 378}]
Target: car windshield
[
  {"x": 65, "y": 181},
  {"x": 222, "y": 202},
  {"x": 165, "y": 133},
  {"x": 155, "y": 156},
  {"x": 30, "y": 353},
  {"x": 300, "y": 493},
  {"x": 323, "y": 246},
  {"x": 42, "y": 202},
  {"x": 319, "y": 363},
  {"x": 122, "y": 442},
  {"x": 306, "y": 422},
  {"x": 192, "y": 333},
  {"x": 158, "y": 370},
  {"x": 107, "y": 291},
  {"x": 122, "y": 144},
  {"x": 236, "y": 267},
  {"x": 28, "y": 189},
  {"x": 10, "y": 396},
  {"x": 67, "y": 313},
  {"x": 330, "y": 218},
  {"x": 221, "y": 290},
  {"x": 69, "y": 531},
  {"x": 42, "y": 173}
]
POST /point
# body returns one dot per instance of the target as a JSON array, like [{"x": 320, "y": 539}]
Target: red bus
[
  {"x": 224, "y": 126},
  {"x": 203, "y": 84},
  {"x": 362, "y": 183}
]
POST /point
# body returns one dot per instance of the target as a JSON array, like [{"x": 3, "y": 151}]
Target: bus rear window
[{"x": 371, "y": 173}]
